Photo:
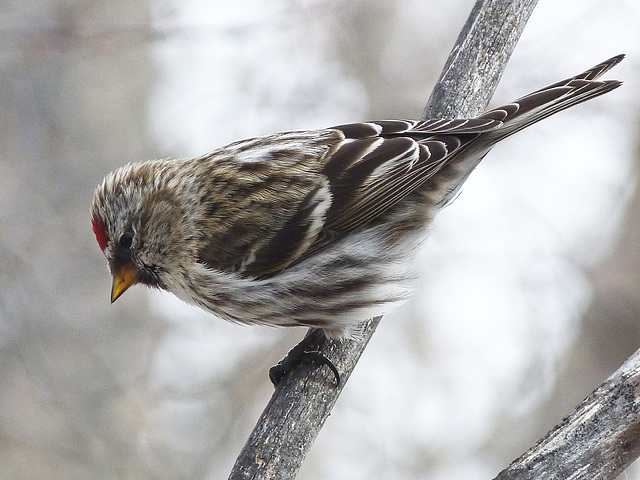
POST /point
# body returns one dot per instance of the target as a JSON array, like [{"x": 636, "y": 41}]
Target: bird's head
[{"x": 139, "y": 226}]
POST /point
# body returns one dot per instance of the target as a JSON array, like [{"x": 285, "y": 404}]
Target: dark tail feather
[{"x": 554, "y": 98}]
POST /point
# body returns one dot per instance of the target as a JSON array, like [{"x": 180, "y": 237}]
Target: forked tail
[{"x": 554, "y": 98}]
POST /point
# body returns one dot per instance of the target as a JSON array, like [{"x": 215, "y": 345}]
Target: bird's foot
[{"x": 307, "y": 351}]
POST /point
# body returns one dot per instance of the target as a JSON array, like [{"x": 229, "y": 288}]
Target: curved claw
[{"x": 319, "y": 358}]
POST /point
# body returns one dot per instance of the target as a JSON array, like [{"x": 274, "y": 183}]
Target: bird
[{"x": 314, "y": 228}]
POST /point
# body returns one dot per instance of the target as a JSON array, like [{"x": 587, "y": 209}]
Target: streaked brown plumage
[{"x": 313, "y": 228}]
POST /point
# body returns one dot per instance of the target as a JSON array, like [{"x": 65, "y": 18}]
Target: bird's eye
[{"x": 126, "y": 240}]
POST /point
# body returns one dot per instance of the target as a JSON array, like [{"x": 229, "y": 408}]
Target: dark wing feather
[
  {"x": 379, "y": 163},
  {"x": 375, "y": 182}
]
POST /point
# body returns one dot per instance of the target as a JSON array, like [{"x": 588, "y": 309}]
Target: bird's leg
[{"x": 307, "y": 351}]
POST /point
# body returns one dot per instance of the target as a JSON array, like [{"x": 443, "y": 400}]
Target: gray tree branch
[
  {"x": 597, "y": 441},
  {"x": 303, "y": 401}
]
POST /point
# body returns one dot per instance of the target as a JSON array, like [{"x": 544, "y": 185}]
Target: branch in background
[
  {"x": 303, "y": 401},
  {"x": 597, "y": 441}
]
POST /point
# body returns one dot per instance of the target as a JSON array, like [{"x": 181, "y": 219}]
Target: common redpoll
[{"x": 313, "y": 228}]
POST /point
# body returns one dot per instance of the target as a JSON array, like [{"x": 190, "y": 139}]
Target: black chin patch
[{"x": 150, "y": 276}]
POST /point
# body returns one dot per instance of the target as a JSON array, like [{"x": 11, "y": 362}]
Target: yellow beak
[{"x": 123, "y": 277}]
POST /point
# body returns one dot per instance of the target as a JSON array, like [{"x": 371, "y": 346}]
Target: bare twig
[{"x": 302, "y": 402}]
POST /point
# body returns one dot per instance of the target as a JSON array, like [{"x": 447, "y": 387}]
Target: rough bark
[{"x": 597, "y": 441}]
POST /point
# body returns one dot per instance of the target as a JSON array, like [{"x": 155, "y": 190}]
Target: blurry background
[{"x": 531, "y": 280}]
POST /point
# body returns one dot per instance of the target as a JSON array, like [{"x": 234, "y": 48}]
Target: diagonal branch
[
  {"x": 597, "y": 441},
  {"x": 304, "y": 399}
]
